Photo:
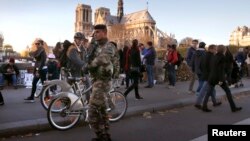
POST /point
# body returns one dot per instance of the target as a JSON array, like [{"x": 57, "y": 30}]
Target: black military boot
[{"x": 106, "y": 137}]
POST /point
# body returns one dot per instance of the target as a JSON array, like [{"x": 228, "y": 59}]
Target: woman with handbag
[{"x": 134, "y": 72}]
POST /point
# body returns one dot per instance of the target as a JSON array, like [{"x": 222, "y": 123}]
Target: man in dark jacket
[
  {"x": 10, "y": 72},
  {"x": 190, "y": 52},
  {"x": 205, "y": 70},
  {"x": 196, "y": 63},
  {"x": 217, "y": 77},
  {"x": 149, "y": 57}
]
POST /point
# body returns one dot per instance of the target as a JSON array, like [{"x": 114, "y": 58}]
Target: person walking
[
  {"x": 204, "y": 73},
  {"x": 101, "y": 68},
  {"x": 150, "y": 57},
  {"x": 217, "y": 77},
  {"x": 196, "y": 64},
  {"x": 135, "y": 64},
  {"x": 40, "y": 69},
  {"x": 190, "y": 52}
]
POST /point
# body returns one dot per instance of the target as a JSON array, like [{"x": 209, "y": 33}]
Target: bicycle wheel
[
  {"x": 119, "y": 107},
  {"x": 48, "y": 93},
  {"x": 63, "y": 118}
]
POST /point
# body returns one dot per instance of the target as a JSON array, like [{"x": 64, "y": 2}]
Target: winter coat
[
  {"x": 190, "y": 52},
  {"x": 172, "y": 57},
  {"x": 196, "y": 60},
  {"x": 217, "y": 73},
  {"x": 40, "y": 57},
  {"x": 76, "y": 60},
  {"x": 150, "y": 56},
  {"x": 205, "y": 65}
]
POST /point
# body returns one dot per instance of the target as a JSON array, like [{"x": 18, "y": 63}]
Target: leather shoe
[
  {"x": 236, "y": 109},
  {"x": 148, "y": 86},
  {"x": 197, "y": 106},
  {"x": 217, "y": 104},
  {"x": 206, "y": 110},
  {"x": 139, "y": 98}
]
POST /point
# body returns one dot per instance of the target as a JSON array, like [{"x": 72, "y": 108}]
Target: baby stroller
[{"x": 236, "y": 76}]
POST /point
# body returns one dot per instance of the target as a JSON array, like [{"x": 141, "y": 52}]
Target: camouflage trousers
[{"x": 98, "y": 118}]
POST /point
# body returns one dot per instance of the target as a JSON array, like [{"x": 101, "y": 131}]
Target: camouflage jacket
[{"x": 105, "y": 64}]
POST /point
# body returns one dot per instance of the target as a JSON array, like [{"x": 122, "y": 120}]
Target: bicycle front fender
[
  {"x": 75, "y": 102},
  {"x": 64, "y": 85}
]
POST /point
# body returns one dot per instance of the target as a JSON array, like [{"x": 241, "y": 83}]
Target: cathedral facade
[
  {"x": 240, "y": 36},
  {"x": 121, "y": 28}
]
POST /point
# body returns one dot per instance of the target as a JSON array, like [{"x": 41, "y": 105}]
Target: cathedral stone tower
[
  {"x": 120, "y": 11},
  {"x": 83, "y": 19},
  {"x": 101, "y": 15}
]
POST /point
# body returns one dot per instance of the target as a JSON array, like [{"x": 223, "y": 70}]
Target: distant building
[
  {"x": 121, "y": 27},
  {"x": 240, "y": 36},
  {"x": 1, "y": 41}
]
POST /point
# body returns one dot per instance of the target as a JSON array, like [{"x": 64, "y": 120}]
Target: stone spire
[{"x": 120, "y": 10}]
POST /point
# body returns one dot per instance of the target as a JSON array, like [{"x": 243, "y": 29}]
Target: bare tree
[{"x": 186, "y": 42}]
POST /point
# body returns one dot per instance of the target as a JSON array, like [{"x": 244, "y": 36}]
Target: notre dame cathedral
[{"x": 121, "y": 28}]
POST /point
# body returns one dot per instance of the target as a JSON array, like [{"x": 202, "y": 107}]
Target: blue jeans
[
  {"x": 224, "y": 86},
  {"x": 203, "y": 92},
  {"x": 150, "y": 75},
  {"x": 171, "y": 74},
  {"x": 201, "y": 82},
  {"x": 13, "y": 78}
]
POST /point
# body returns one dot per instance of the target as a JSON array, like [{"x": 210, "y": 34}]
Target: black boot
[
  {"x": 205, "y": 109},
  {"x": 1, "y": 99},
  {"x": 106, "y": 137},
  {"x": 236, "y": 109}
]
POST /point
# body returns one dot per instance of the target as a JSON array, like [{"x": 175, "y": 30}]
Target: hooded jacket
[{"x": 196, "y": 60}]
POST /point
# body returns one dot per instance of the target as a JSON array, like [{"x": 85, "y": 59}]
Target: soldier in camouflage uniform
[{"x": 102, "y": 68}]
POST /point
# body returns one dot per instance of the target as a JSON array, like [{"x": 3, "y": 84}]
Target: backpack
[{"x": 180, "y": 59}]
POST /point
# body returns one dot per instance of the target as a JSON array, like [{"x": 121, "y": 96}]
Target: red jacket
[{"x": 172, "y": 57}]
